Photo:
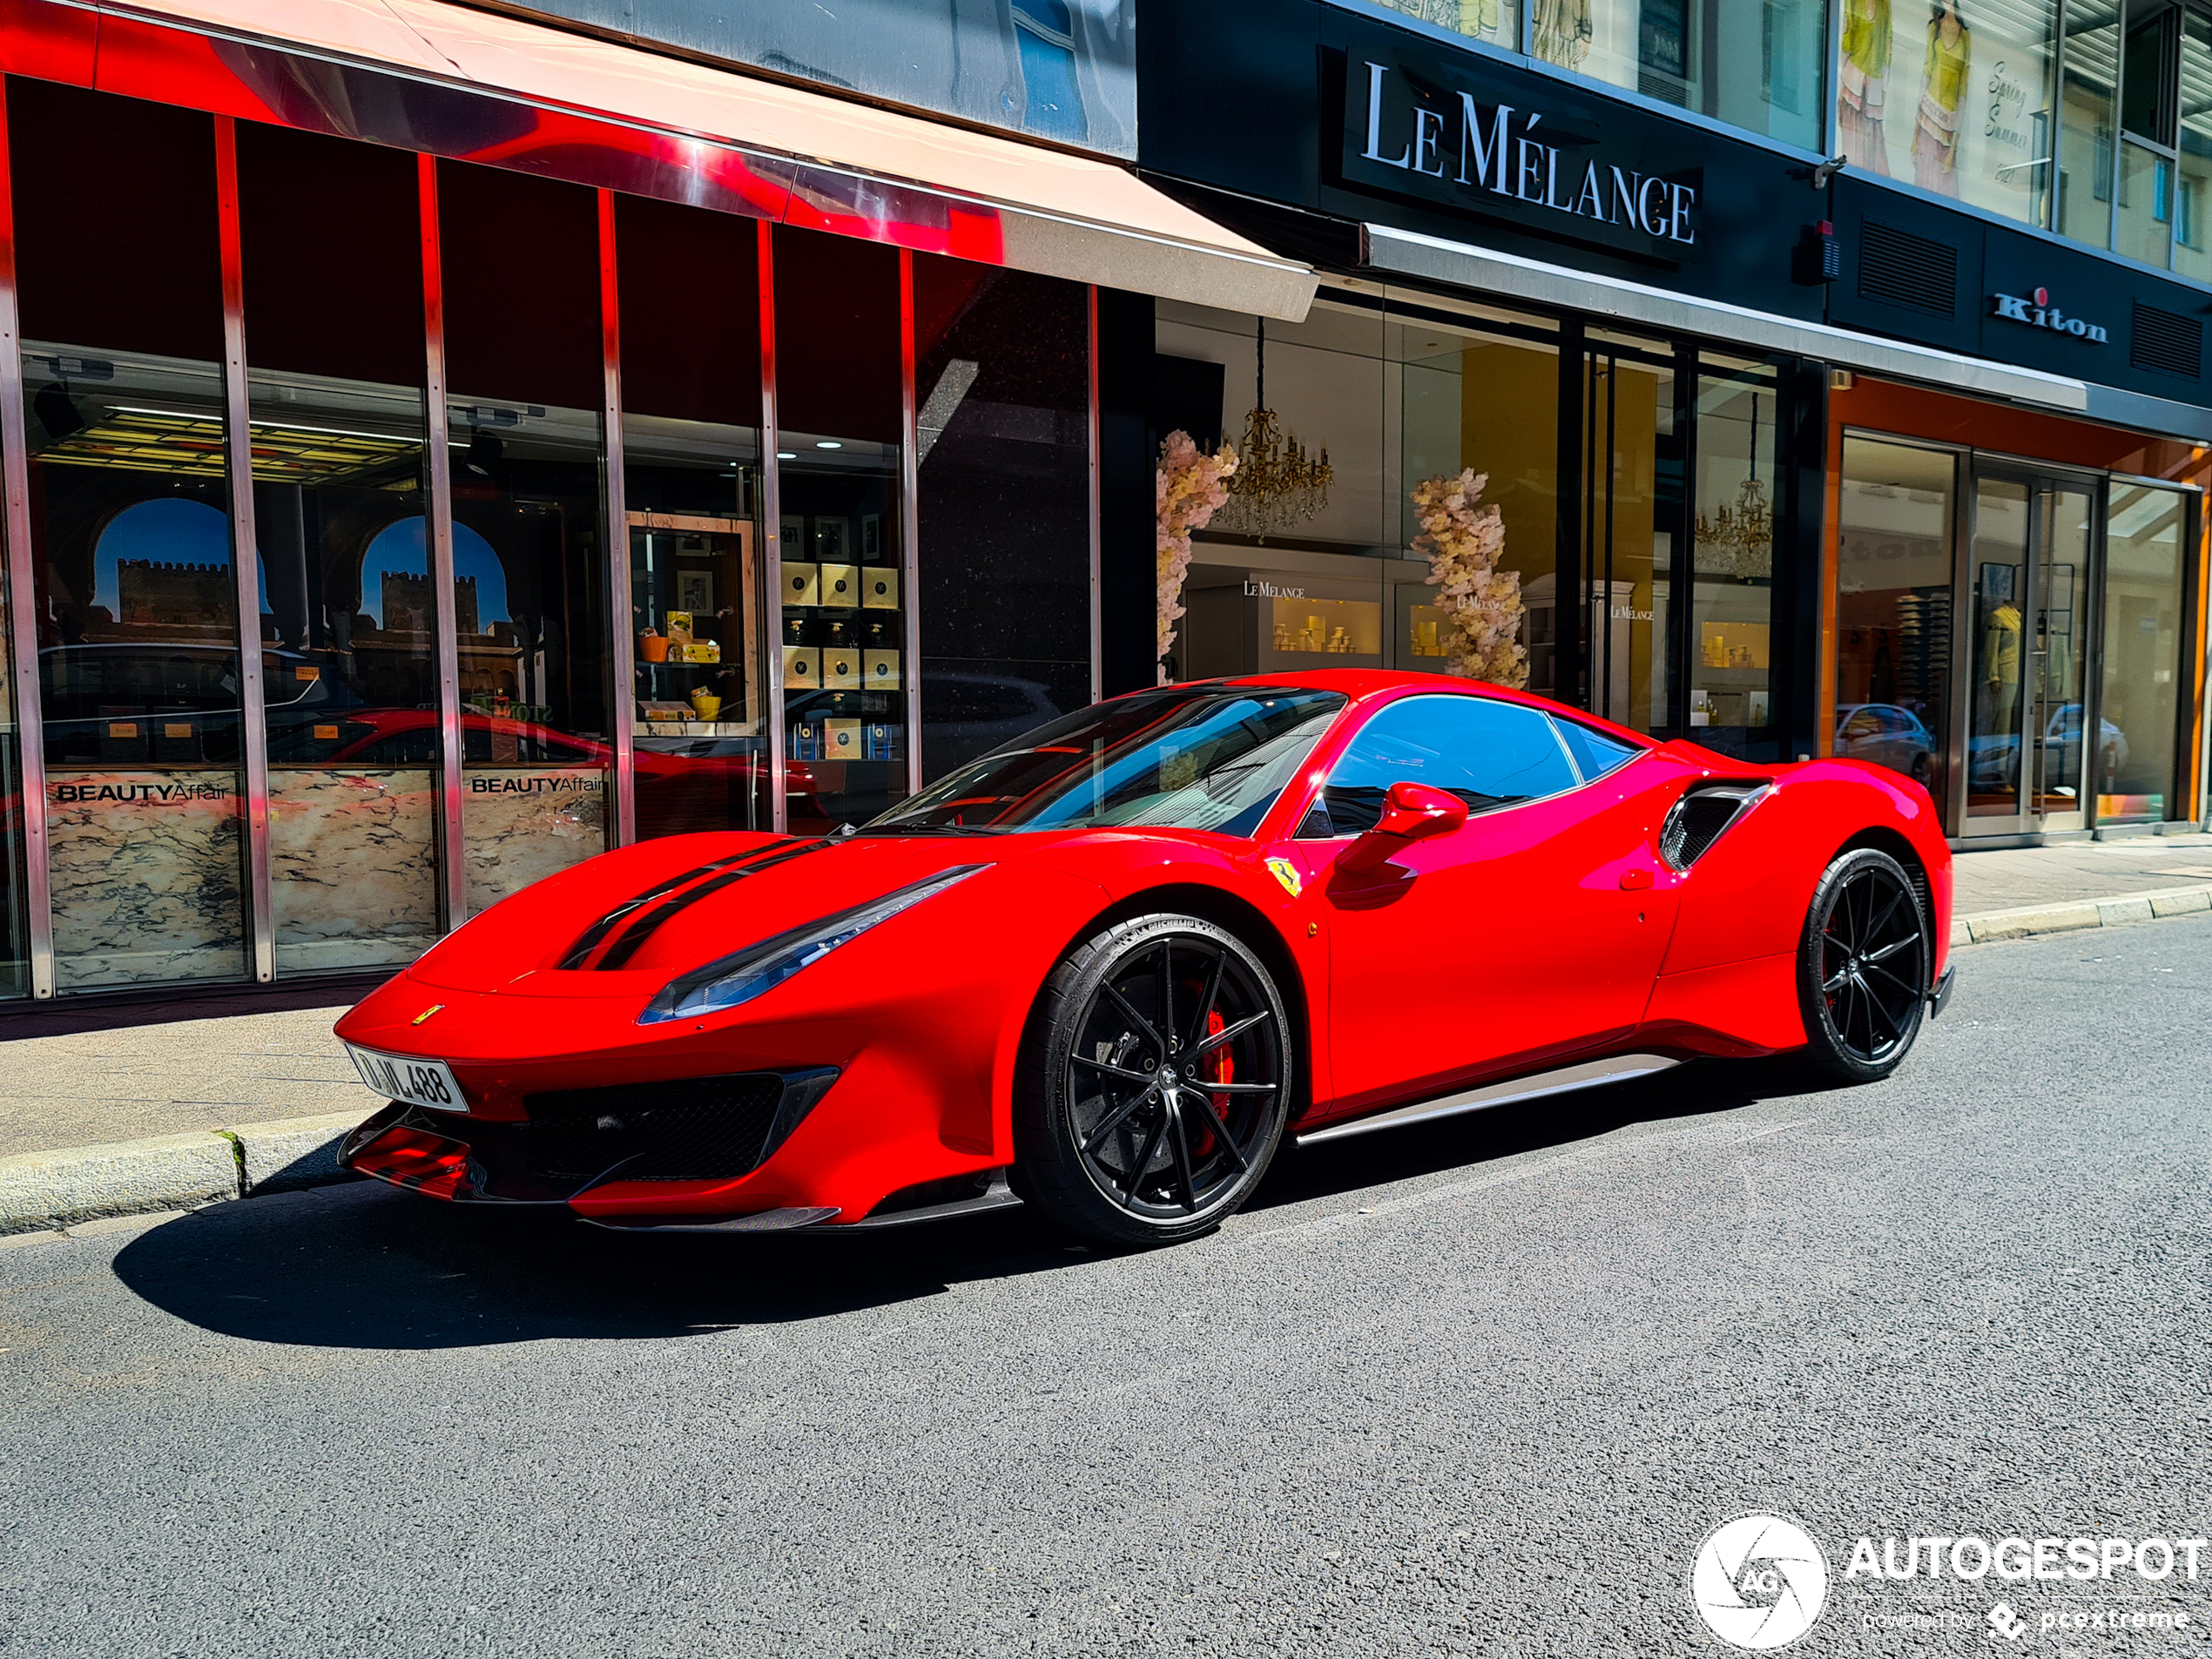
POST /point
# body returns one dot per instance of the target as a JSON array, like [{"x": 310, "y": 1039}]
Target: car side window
[
  {"x": 1595, "y": 752},
  {"x": 1488, "y": 754}
]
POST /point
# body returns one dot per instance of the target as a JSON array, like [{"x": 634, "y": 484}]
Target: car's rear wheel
[
  {"x": 1156, "y": 1084},
  {"x": 1862, "y": 968}
]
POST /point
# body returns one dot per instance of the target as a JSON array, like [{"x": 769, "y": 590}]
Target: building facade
[
  {"x": 441, "y": 446},
  {"x": 1837, "y": 374}
]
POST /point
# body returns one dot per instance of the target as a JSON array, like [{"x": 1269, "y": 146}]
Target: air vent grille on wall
[
  {"x": 2166, "y": 343},
  {"x": 1900, "y": 268}
]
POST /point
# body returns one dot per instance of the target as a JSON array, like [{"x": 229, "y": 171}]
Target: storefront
[
  {"x": 1789, "y": 457},
  {"x": 416, "y": 486}
]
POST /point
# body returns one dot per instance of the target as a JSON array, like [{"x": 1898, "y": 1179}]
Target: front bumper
[{"x": 705, "y": 1132}]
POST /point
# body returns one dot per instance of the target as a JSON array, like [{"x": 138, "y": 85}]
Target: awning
[
  {"x": 1432, "y": 259},
  {"x": 482, "y": 86}
]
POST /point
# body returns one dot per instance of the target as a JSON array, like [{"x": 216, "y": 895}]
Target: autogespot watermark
[{"x": 1760, "y": 1581}]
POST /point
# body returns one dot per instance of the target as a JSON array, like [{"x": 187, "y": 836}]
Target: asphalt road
[{"x": 1480, "y": 1387}]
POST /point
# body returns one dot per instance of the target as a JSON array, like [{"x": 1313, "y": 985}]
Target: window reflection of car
[
  {"x": 666, "y": 779},
  {"x": 1886, "y": 735},
  {"x": 127, "y": 703},
  {"x": 967, "y": 715},
  {"x": 1993, "y": 757}
]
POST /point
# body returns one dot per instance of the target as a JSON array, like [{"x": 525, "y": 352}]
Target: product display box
[
  {"x": 840, "y": 585},
  {"x": 840, "y": 668},
  {"x": 805, "y": 740},
  {"x": 802, "y": 668},
  {"x": 883, "y": 742},
  {"x": 841, "y": 740},
  {"x": 879, "y": 588},
  {"x": 879, "y": 669},
  {"x": 802, "y": 583}
]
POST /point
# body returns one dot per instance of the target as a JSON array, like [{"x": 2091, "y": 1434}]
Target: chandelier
[
  {"x": 1276, "y": 481},
  {"x": 1738, "y": 540}
]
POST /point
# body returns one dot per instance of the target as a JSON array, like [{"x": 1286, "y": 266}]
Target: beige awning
[{"x": 667, "y": 127}]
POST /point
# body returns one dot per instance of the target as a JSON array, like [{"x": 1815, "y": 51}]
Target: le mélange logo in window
[{"x": 2037, "y": 312}]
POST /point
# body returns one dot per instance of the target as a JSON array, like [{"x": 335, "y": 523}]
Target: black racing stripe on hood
[
  {"x": 644, "y": 927},
  {"x": 580, "y": 953}
]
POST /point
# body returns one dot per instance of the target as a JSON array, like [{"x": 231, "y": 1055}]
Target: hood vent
[{"x": 1702, "y": 817}]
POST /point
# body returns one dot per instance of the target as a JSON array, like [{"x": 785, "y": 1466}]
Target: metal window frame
[
  {"x": 246, "y": 560},
  {"x": 452, "y": 847},
  {"x": 22, "y": 597},
  {"x": 910, "y": 519},
  {"x": 622, "y": 668},
  {"x": 1097, "y": 504},
  {"x": 772, "y": 557}
]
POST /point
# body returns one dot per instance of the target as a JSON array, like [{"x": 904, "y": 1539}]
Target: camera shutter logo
[{"x": 1759, "y": 1581}]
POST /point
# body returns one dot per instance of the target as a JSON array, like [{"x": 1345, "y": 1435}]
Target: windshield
[{"x": 1206, "y": 758}]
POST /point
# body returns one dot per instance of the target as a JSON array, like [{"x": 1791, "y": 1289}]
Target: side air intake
[{"x": 1701, "y": 817}]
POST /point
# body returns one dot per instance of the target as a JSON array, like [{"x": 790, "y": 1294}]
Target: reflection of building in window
[
  {"x": 1044, "y": 33},
  {"x": 186, "y": 597}
]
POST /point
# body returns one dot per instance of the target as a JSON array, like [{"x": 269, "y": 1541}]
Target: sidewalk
[{"x": 176, "y": 1111}]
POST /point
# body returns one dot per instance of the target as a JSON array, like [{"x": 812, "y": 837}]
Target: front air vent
[
  {"x": 1899, "y": 268},
  {"x": 698, "y": 1129},
  {"x": 2167, "y": 343},
  {"x": 1701, "y": 817}
]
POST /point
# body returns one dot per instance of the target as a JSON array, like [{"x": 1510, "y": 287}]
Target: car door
[{"x": 1534, "y": 930}]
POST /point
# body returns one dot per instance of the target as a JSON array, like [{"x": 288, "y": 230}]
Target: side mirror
[{"x": 1411, "y": 813}]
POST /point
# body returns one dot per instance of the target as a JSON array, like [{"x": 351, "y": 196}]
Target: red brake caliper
[{"x": 1219, "y": 1067}]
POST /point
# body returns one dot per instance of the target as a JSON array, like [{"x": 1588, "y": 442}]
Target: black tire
[
  {"x": 1111, "y": 1141},
  {"x": 1862, "y": 968}
]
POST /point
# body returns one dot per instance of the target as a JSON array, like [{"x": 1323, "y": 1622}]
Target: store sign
[
  {"x": 1454, "y": 134},
  {"x": 2037, "y": 312},
  {"x": 1264, "y": 589}
]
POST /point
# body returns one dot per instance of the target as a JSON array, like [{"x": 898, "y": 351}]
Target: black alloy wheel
[
  {"x": 1865, "y": 967},
  {"x": 1156, "y": 1084}
]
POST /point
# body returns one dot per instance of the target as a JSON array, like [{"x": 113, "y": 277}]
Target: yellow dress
[
  {"x": 1860, "y": 94},
  {"x": 1943, "y": 90}
]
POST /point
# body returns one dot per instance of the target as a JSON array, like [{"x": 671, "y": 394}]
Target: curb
[
  {"x": 2027, "y": 922},
  {"x": 49, "y": 1191}
]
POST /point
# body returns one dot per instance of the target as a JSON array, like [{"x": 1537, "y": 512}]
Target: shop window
[
  {"x": 689, "y": 291},
  {"x": 348, "y": 620},
  {"x": 1734, "y": 534},
  {"x": 1893, "y": 596},
  {"x": 2192, "y": 188},
  {"x": 2088, "y": 124},
  {"x": 2138, "y": 774},
  {"x": 842, "y": 615},
  {"x": 527, "y": 383},
  {"x": 130, "y": 513},
  {"x": 1957, "y": 99},
  {"x": 1630, "y": 508},
  {"x": 1002, "y": 375}
]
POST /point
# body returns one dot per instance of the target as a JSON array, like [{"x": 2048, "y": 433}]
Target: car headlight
[{"x": 759, "y": 969}]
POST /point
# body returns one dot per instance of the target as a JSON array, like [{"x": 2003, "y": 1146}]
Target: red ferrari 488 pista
[{"x": 1105, "y": 969}]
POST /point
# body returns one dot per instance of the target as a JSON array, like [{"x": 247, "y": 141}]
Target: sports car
[{"x": 1105, "y": 969}]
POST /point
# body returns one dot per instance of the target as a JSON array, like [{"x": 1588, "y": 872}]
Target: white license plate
[{"x": 420, "y": 1082}]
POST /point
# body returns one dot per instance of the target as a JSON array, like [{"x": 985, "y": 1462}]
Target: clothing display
[
  {"x": 1561, "y": 31},
  {"x": 1924, "y": 647},
  {"x": 1863, "y": 87},
  {"x": 1943, "y": 90},
  {"x": 1999, "y": 691}
]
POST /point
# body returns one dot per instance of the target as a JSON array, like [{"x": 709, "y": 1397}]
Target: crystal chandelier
[
  {"x": 1277, "y": 482},
  {"x": 1738, "y": 540}
]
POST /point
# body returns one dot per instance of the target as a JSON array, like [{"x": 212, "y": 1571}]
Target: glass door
[{"x": 2026, "y": 615}]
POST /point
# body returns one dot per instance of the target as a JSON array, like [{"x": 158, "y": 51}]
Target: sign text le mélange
[{"x": 1499, "y": 150}]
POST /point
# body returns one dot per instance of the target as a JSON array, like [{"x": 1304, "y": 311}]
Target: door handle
[{"x": 1635, "y": 880}]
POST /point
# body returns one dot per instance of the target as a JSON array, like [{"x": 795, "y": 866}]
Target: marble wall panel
[
  {"x": 523, "y": 824},
  {"x": 148, "y": 877},
  {"x": 353, "y": 866}
]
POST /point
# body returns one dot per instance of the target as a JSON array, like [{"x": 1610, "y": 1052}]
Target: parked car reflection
[
  {"x": 1886, "y": 734},
  {"x": 1993, "y": 757}
]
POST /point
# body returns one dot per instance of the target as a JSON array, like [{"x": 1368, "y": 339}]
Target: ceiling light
[
  {"x": 827, "y": 443},
  {"x": 787, "y": 455}
]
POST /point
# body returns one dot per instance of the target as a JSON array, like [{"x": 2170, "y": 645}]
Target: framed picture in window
[
  {"x": 695, "y": 592},
  {"x": 792, "y": 534},
  {"x": 833, "y": 541},
  {"x": 871, "y": 537}
]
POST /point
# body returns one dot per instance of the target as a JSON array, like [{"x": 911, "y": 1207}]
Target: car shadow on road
[{"x": 363, "y": 1266}]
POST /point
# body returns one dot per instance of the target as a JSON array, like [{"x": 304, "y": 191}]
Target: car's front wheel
[
  {"x": 1862, "y": 966},
  {"x": 1156, "y": 1084}
]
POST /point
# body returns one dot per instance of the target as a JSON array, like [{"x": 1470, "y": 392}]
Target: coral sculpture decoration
[
  {"x": 1189, "y": 487},
  {"x": 1461, "y": 540}
]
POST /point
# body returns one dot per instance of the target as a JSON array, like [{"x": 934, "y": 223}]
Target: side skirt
[{"x": 1590, "y": 1074}]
